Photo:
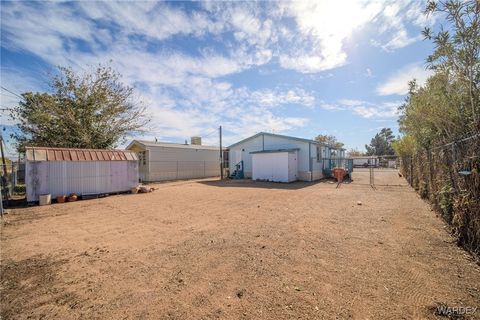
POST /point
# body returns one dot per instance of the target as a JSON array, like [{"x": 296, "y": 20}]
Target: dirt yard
[{"x": 237, "y": 250}]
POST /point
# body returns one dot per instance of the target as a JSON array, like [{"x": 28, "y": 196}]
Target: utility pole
[
  {"x": 221, "y": 153},
  {"x": 3, "y": 156},
  {"x": 4, "y": 178}
]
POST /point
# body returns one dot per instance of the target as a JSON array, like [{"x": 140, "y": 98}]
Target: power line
[
  {"x": 8, "y": 95},
  {"x": 17, "y": 95},
  {"x": 209, "y": 134}
]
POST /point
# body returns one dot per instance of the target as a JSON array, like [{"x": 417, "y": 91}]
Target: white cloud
[
  {"x": 365, "y": 109},
  {"x": 155, "y": 20},
  {"x": 324, "y": 27},
  {"x": 271, "y": 98},
  {"x": 397, "y": 83},
  {"x": 393, "y": 21},
  {"x": 188, "y": 93}
]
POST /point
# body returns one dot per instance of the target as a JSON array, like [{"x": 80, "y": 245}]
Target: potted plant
[{"x": 72, "y": 197}]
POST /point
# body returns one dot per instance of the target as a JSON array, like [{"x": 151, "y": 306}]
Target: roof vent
[{"x": 196, "y": 141}]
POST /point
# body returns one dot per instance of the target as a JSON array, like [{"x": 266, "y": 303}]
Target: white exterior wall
[
  {"x": 80, "y": 177},
  {"x": 267, "y": 142},
  {"x": 242, "y": 152},
  {"x": 166, "y": 163}
]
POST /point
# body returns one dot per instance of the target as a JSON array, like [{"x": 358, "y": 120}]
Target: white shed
[
  {"x": 160, "y": 161},
  {"x": 275, "y": 165},
  {"x": 61, "y": 171}
]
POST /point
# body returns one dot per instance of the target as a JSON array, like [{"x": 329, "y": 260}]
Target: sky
[{"x": 294, "y": 68}]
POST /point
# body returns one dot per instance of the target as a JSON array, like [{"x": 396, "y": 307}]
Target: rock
[
  {"x": 359, "y": 203},
  {"x": 240, "y": 293}
]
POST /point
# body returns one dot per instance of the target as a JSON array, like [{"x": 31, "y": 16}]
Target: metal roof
[
  {"x": 276, "y": 151},
  {"x": 171, "y": 145},
  {"x": 73, "y": 154},
  {"x": 286, "y": 137},
  {"x": 280, "y": 136}
]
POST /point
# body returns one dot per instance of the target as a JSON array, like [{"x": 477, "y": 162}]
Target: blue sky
[{"x": 296, "y": 68}]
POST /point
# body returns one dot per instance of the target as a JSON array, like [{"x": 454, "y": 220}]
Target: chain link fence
[
  {"x": 448, "y": 176},
  {"x": 9, "y": 179},
  {"x": 179, "y": 170}
]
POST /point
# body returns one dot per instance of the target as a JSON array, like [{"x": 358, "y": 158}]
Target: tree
[
  {"x": 405, "y": 146},
  {"x": 440, "y": 121},
  {"x": 457, "y": 54},
  {"x": 90, "y": 110},
  {"x": 381, "y": 144},
  {"x": 355, "y": 153},
  {"x": 329, "y": 140}
]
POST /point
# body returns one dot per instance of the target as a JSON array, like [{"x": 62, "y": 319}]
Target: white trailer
[
  {"x": 312, "y": 156},
  {"x": 160, "y": 161}
]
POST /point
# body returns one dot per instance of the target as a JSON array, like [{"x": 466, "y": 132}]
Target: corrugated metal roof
[
  {"x": 286, "y": 137},
  {"x": 72, "y": 154},
  {"x": 172, "y": 145}
]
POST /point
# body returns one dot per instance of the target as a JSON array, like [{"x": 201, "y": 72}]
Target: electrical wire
[{"x": 15, "y": 94}]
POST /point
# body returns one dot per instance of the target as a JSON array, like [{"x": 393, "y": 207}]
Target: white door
[
  {"x": 292, "y": 166},
  {"x": 270, "y": 166}
]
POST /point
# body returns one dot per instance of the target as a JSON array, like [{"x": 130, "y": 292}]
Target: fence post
[
  {"x": 177, "y": 169},
  {"x": 452, "y": 168},
  {"x": 431, "y": 188},
  {"x": 411, "y": 170}
]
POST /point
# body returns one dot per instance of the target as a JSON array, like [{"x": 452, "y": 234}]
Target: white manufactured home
[
  {"x": 160, "y": 161},
  {"x": 274, "y": 157},
  {"x": 61, "y": 171}
]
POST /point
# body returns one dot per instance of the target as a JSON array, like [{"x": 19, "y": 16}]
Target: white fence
[{"x": 176, "y": 170}]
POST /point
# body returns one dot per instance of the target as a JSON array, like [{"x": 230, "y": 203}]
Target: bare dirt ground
[{"x": 236, "y": 250}]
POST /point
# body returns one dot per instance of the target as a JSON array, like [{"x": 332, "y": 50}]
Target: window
[
  {"x": 142, "y": 158},
  {"x": 318, "y": 153}
]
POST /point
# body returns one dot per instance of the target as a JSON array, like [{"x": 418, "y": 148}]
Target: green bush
[
  {"x": 446, "y": 201},
  {"x": 19, "y": 189}
]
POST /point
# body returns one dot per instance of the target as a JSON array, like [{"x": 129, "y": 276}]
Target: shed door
[
  {"x": 292, "y": 166},
  {"x": 270, "y": 166}
]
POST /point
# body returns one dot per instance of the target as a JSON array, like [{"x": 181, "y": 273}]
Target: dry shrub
[{"x": 450, "y": 179}]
